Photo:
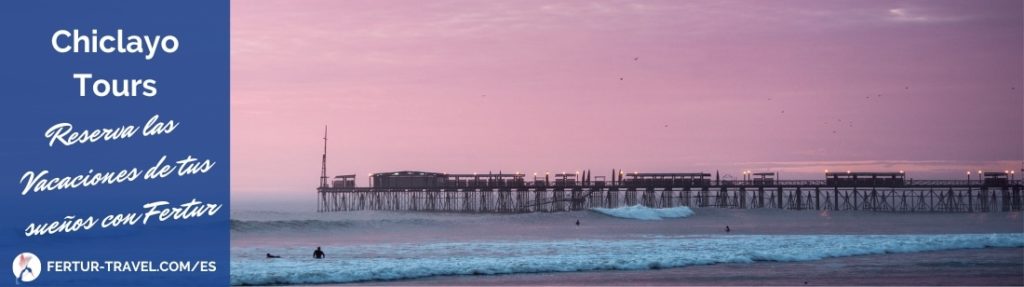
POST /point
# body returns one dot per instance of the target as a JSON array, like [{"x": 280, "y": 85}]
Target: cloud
[
  {"x": 900, "y": 14},
  {"x": 916, "y": 16}
]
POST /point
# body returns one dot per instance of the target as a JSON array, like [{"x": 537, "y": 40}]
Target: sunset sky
[{"x": 930, "y": 87}]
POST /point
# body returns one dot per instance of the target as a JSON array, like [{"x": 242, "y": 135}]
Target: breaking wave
[{"x": 646, "y": 213}]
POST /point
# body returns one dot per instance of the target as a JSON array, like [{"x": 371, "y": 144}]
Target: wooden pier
[
  {"x": 509, "y": 193},
  {"x": 513, "y": 193}
]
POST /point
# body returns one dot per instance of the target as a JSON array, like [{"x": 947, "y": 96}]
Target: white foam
[
  {"x": 646, "y": 213},
  {"x": 406, "y": 261}
]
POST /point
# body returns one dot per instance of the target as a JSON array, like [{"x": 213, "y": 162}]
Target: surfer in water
[
  {"x": 727, "y": 230},
  {"x": 318, "y": 254},
  {"x": 577, "y": 222},
  {"x": 273, "y": 256}
]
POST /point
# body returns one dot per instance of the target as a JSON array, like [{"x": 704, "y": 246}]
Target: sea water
[
  {"x": 365, "y": 247},
  {"x": 407, "y": 261}
]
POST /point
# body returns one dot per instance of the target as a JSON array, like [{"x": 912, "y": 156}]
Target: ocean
[{"x": 665, "y": 246}]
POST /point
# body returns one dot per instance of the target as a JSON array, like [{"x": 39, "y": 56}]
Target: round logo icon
[{"x": 26, "y": 267}]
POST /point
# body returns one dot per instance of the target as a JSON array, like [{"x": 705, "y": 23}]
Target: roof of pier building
[
  {"x": 864, "y": 174},
  {"x": 667, "y": 174},
  {"x": 407, "y": 173}
]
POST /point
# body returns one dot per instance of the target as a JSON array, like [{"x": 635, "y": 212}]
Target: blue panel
[{"x": 39, "y": 92}]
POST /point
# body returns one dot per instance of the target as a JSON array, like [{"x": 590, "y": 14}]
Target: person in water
[
  {"x": 577, "y": 222},
  {"x": 727, "y": 230},
  {"x": 273, "y": 256},
  {"x": 318, "y": 254}
]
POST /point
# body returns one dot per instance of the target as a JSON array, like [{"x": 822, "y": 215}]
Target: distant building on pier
[
  {"x": 666, "y": 179},
  {"x": 763, "y": 178},
  {"x": 996, "y": 178},
  {"x": 344, "y": 181},
  {"x": 423, "y": 179},
  {"x": 864, "y": 178}
]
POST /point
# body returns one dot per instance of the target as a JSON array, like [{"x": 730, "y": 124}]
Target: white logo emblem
[{"x": 26, "y": 267}]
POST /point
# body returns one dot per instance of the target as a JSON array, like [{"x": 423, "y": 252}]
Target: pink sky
[{"x": 535, "y": 86}]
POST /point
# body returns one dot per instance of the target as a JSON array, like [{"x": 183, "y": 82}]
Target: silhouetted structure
[
  {"x": 763, "y": 178},
  {"x": 512, "y": 193},
  {"x": 348, "y": 180},
  {"x": 877, "y": 191},
  {"x": 864, "y": 178}
]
